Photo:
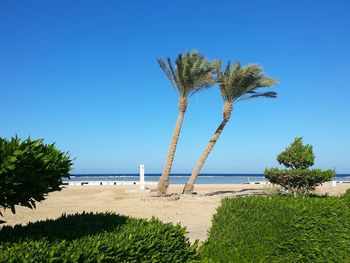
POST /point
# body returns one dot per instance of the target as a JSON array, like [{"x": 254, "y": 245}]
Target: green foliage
[
  {"x": 29, "y": 170},
  {"x": 298, "y": 179},
  {"x": 241, "y": 82},
  {"x": 297, "y": 155},
  {"x": 346, "y": 197},
  {"x": 192, "y": 72},
  {"x": 279, "y": 229},
  {"x": 103, "y": 237}
]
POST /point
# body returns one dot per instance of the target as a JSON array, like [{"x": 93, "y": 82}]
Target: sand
[{"x": 193, "y": 212}]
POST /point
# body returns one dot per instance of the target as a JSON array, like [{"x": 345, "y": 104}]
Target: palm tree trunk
[
  {"x": 188, "y": 189},
  {"x": 163, "y": 183}
]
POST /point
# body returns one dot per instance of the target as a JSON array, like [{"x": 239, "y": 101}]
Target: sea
[{"x": 182, "y": 178}]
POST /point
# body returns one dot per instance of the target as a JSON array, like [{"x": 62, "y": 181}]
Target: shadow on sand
[
  {"x": 240, "y": 192},
  {"x": 67, "y": 227}
]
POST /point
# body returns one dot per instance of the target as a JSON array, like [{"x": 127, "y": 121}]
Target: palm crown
[
  {"x": 192, "y": 72},
  {"x": 238, "y": 83}
]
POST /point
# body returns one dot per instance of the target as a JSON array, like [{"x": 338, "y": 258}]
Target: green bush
[
  {"x": 346, "y": 197},
  {"x": 96, "y": 238},
  {"x": 29, "y": 170},
  {"x": 300, "y": 181},
  {"x": 279, "y": 229},
  {"x": 297, "y": 178}
]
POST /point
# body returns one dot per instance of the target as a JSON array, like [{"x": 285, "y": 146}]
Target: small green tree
[
  {"x": 29, "y": 170},
  {"x": 297, "y": 178},
  {"x": 297, "y": 156}
]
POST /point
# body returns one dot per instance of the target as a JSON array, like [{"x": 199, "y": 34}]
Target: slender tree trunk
[
  {"x": 163, "y": 183},
  {"x": 188, "y": 189}
]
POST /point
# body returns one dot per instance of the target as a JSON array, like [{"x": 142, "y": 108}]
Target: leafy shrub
[
  {"x": 29, "y": 170},
  {"x": 279, "y": 229},
  {"x": 96, "y": 238},
  {"x": 346, "y": 197},
  {"x": 298, "y": 179}
]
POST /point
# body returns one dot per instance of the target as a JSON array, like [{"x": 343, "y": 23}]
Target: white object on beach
[
  {"x": 334, "y": 183},
  {"x": 142, "y": 177}
]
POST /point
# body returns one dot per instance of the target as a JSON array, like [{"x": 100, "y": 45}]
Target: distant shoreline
[
  {"x": 186, "y": 174},
  {"x": 151, "y": 179}
]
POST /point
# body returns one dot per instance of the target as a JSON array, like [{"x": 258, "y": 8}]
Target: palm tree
[
  {"x": 192, "y": 72},
  {"x": 236, "y": 83}
]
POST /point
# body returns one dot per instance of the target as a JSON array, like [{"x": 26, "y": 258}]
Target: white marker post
[{"x": 142, "y": 177}]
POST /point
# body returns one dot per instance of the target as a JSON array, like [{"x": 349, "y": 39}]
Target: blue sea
[{"x": 182, "y": 178}]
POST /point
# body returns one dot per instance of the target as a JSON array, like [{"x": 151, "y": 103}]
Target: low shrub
[
  {"x": 96, "y": 238},
  {"x": 346, "y": 197},
  {"x": 29, "y": 170},
  {"x": 299, "y": 181},
  {"x": 279, "y": 229}
]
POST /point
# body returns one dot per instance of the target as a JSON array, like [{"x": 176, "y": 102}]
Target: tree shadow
[
  {"x": 66, "y": 227},
  {"x": 232, "y": 191}
]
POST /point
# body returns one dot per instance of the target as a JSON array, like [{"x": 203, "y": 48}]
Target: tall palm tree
[
  {"x": 236, "y": 83},
  {"x": 192, "y": 72}
]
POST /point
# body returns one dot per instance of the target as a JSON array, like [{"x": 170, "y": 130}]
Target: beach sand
[{"x": 194, "y": 212}]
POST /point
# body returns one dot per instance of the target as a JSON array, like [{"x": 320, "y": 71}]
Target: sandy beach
[{"x": 194, "y": 212}]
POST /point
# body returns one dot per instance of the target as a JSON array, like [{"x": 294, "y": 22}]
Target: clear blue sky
[{"x": 83, "y": 74}]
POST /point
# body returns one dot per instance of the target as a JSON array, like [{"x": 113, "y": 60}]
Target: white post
[
  {"x": 334, "y": 183},
  {"x": 142, "y": 177}
]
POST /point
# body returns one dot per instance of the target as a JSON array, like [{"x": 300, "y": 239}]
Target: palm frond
[
  {"x": 168, "y": 71},
  {"x": 269, "y": 94},
  {"x": 191, "y": 73},
  {"x": 171, "y": 69},
  {"x": 237, "y": 81}
]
